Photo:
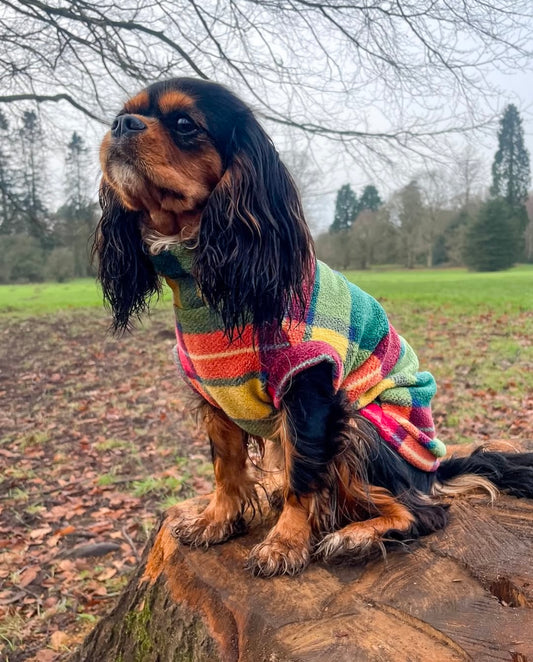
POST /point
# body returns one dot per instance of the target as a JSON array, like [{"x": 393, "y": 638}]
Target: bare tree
[
  {"x": 468, "y": 176},
  {"x": 435, "y": 197},
  {"x": 407, "y": 213},
  {"x": 317, "y": 65},
  {"x": 366, "y": 236}
]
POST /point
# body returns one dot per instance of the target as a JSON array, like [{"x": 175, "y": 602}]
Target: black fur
[
  {"x": 254, "y": 249},
  {"x": 510, "y": 472},
  {"x": 319, "y": 431},
  {"x": 317, "y": 423},
  {"x": 124, "y": 269},
  {"x": 386, "y": 468}
]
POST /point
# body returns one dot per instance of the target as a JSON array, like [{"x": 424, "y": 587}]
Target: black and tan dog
[{"x": 276, "y": 345}]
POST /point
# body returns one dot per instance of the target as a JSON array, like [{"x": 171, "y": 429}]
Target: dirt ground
[{"x": 97, "y": 440}]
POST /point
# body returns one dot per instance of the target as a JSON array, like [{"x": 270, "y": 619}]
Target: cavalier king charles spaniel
[{"x": 284, "y": 354}]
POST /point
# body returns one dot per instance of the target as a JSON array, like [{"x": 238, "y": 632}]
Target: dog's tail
[{"x": 507, "y": 472}]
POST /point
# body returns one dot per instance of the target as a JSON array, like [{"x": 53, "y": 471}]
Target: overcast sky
[{"x": 324, "y": 166}]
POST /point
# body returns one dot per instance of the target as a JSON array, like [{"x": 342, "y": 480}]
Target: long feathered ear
[
  {"x": 254, "y": 248},
  {"x": 128, "y": 278}
]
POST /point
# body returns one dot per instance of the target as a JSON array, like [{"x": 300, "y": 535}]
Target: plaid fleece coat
[{"x": 342, "y": 325}]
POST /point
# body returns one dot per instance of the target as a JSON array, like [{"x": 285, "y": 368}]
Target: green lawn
[
  {"x": 507, "y": 291},
  {"x": 38, "y": 298},
  {"x": 503, "y": 291}
]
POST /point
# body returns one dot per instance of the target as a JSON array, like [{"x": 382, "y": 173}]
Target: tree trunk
[{"x": 462, "y": 594}]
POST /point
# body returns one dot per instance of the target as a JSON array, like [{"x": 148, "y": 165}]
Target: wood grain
[{"x": 462, "y": 594}]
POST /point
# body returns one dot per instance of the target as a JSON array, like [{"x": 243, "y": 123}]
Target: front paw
[
  {"x": 355, "y": 541},
  {"x": 203, "y": 530},
  {"x": 275, "y": 556}
]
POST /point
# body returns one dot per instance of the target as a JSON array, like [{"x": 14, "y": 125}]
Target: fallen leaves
[
  {"x": 81, "y": 431},
  {"x": 28, "y": 576},
  {"x": 96, "y": 441}
]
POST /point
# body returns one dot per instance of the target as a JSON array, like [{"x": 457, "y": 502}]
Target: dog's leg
[
  {"x": 234, "y": 487},
  {"x": 359, "y": 538},
  {"x": 287, "y": 548},
  {"x": 383, "y": 496},
  {"x": 310, "y": 426}
]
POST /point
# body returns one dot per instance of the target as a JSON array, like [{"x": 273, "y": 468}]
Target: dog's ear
[
  {"x": 125, "y": 271},
  {"x": 254, "y": 248}
]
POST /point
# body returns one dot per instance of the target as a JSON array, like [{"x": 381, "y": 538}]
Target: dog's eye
[{"x": 186, "y": 126}]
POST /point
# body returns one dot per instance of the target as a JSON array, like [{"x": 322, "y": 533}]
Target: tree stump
[{"x": 464, "y": 593}]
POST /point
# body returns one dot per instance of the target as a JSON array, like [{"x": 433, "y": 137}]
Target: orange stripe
[
  {"x": 227, "y": 368},
  {"x": 360, "y": 381},
  {"x": 217, "y": 342}
]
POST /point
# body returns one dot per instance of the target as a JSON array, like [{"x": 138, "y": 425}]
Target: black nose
[{"x": 126, "y": 125}]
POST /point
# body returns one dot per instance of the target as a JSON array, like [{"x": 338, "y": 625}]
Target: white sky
[{"x": 333, "y": 167}]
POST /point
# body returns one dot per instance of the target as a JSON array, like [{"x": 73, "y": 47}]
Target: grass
[
  {"x": 505, "y": 291},
  {"x": 38, "y": 298},
  {"x": 502, "y": 292}
]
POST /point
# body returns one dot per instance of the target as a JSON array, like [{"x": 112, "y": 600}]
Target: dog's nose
[{"x": 126, "y": 125}]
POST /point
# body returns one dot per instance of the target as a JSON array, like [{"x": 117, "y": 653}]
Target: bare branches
[
  {"x": 366, "y": 74},
  {"x": 41, "y": 98}
]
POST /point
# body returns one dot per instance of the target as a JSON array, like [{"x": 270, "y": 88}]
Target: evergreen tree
[
  {"x": 489, "y": 241},
  {"x": 510, "y": 169},
  {"x": 76, "y": 173},
  {"x": 346, "y": 209},
  {"x": 370, "y": 199},
  {"x": 511, "y": 174}
]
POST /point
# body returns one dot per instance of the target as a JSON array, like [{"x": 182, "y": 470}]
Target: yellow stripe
[
  {"x": 176, "y": 297},
  {"x": 246, "y": 401},
  {"x": 374, "y": 392},
  {"x": 333, "y": 338}
]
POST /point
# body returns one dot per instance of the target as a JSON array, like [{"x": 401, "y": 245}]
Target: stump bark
[{"x": 465, "y": 593}]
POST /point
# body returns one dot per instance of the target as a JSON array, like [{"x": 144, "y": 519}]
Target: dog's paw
[
  {"x": 200, "y": 530},
  {"x": 277, "y": 557},
  {"x": 355, "y": 540}
]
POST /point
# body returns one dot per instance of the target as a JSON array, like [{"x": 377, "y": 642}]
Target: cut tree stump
[{"x": 465, "y": 593}]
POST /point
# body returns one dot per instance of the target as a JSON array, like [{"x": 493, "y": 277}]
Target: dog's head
[{"x": 187, "y": 160}]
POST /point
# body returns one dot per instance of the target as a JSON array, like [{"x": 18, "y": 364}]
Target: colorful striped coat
[{"x": 342, "y": 325}]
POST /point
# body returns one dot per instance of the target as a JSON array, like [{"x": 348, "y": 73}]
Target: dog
[{"x": 282, "y": 352}]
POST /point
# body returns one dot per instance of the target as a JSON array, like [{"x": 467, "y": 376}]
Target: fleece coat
[{"x": 342, "y": 325}]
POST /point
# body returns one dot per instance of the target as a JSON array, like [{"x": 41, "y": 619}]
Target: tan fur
[
  {"x": 174, "y": 100},
  {"x": 137, "y": 103},
  {"x": 287, "y": 547},
  {"x": 171, "y": 185},
  {"x": 286, "y": 450},
  {"x": 234, "y": 486},
  {"x": 359, "y": 537},
  {"x": 465, "y": 484}
]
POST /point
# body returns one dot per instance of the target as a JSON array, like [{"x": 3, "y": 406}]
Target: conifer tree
[
  {"x": 510, "y": 169},
  {"x": 30, "y": 179},
  {"x": 346, "y": 209},
  {"x": 370, "y": 199},
  {"x": 490, "y": 243},
  {"x": 76, "y": 218},
  {"x": 7, "y": 208}
]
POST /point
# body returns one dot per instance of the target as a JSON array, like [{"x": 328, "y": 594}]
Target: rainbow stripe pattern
[{"x": 341, "y": 325}]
